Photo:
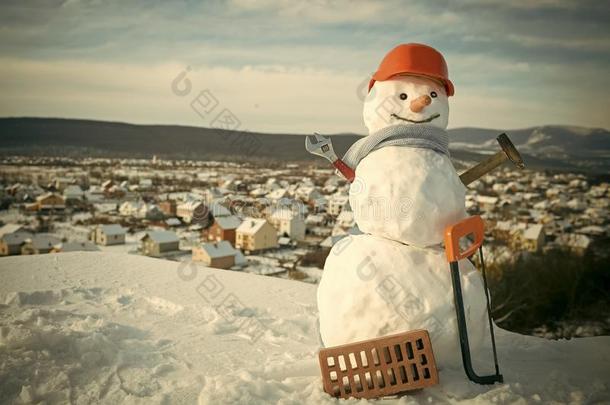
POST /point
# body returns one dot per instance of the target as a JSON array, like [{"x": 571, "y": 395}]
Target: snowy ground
[{"x": 87, "y": 327}]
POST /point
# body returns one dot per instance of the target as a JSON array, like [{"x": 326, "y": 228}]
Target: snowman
[{"x": 394, "y": 277}]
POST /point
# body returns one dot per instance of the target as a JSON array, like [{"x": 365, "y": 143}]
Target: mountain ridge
[{"x": 548, "y": 146}]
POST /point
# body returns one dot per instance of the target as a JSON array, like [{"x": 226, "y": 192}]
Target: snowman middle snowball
[{"x": 408, "y": 194}]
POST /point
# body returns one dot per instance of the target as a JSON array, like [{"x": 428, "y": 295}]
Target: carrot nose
[{"x": 420, "y": 103}]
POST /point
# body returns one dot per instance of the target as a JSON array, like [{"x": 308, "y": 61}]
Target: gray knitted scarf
[{"x": 414, "y": 136}]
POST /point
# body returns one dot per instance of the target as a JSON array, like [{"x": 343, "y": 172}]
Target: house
[
  {"x": 330, "y": 241},
  {"x": 49, "y": 202},
  {"x": 487, "y": 203},
  {"x": 105, "y": 208},
  {"x": 285, "y": 241},
  {"x": 220, "y": 255},
  {"x": 255, "y": 234},
  {"x": 288, "y": 223},
  {"x": 11, "y": 228},
  {"x": 168, "y": 207},
  {"x": 277, "y": 194},
  {"x": 308, "y": 194},
  {"x": 149, "y": 211},
  {"x": 39, "y": 244},
  {"x": 61, "y": 183},
  {"x": 171, "y": 222},
  {"x": 502, "y": 230},
  {"x": 159, "y": 243},
  {"x": 533, "y": 238},
  {"x": 145, "y": 184},
  {"x": 212, "y": 194},
  {"x": 592, "y": 230},
  {"x": 109, "y": 235},
  {"x": 575, "y": 242},
  {"x": 10, "y": 243},
  {"x": 337, "y": 203},
  {"x": 219, "y": 210},
  {"x": 130, "y": 208},
  {"x": 190, "y": 210},
  {"x": 106, "y": 185},
  {"x": 315, "y": 220},
  {"x": 345, "y": 223},
  {"x": 73, "y": 193},
  {"x": 95, "y": 194},
  {"x": 223, "y": 228},
  {"x": 115, "y": 192}
]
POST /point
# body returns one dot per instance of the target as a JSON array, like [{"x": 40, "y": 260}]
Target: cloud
[
  {"x": 275, "y": 98},
  {"x": 288, "y": 66}
]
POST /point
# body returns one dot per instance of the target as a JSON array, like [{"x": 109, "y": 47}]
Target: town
[{"x": 279, "y": 220}]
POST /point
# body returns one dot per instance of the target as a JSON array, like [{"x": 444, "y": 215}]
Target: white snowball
[
  {"x": 407, "y": 194},
  {"x": 373, "y": 287}
]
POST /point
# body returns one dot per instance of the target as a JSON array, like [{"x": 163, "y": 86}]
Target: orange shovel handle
[{"x": 453, "y": 233}]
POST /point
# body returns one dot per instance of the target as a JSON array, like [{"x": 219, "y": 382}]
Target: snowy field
[{"x": 117, "y": 328}]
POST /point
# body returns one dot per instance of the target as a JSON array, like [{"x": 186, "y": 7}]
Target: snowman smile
[{"x": 430, "y": 118}]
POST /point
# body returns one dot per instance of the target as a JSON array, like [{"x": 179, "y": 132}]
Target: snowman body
[
  {"x": 407, "y": 194},
  {"x": 373, "y": 287},
  {"x": 395, "y": 277}
]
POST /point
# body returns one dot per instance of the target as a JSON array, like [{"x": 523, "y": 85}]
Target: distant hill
[{"x": 554, "y": 147}]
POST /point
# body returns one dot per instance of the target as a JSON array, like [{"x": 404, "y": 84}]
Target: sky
[{"x": 299, "y": 66}]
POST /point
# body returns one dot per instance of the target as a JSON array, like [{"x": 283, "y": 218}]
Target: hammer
[{"x": 508, "y": 152}]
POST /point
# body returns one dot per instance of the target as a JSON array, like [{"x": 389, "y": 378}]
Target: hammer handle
[{"x": 483, "y": 168}]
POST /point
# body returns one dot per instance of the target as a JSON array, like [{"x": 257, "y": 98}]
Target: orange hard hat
[{"x": 414, "y": 59}]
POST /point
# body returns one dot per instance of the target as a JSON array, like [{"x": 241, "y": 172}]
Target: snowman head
[
  {"x": 408, "y": 100},
  {"x": 410, "y": 87}
]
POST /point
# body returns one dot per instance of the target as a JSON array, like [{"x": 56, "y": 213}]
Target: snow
[
  {"x": 384, "y": 100},
  {"x": 407, "y": 194},
  {"x": 113, "y": 229},
  {"x": 251, "y": 225},
  {"x": 114, "y": 328},
  {"x": 373, "y": 287},
  {"x": 228, "y": 222},
  {"x": 222, "y": 248},
  {"x": 10, "y": 228},
  {"x": 162, "y": 236}
]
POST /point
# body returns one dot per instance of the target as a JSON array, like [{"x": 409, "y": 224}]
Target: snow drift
[{"x": 115, "y": 328}]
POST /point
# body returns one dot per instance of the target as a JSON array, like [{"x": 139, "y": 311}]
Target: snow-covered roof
[
  {"x": 10, "y": 228},
  {"x": 15, "y": 238},
  {"x": 251, "y": 225},
  {"x": 331, "y": 240},
  {"x": 314, "y": 219},
  {"x": 172, "y": 221},
  {"x": 219, "y": 249},
  {"x": 43, "y": 240},
  {"x": 533, "y": 232},
  {"x": 345, "y": 218},
  {"x": 228, "y": 222},
  {"x": 73, "y": 189},
  {"x": 574, "y": 240},
  {"x": 277, "y": 194},
  {"x": 285, "y": 214},
  {"x": 219, "y": 210},
  {"x": 592, "y": 230},
  {"x": 113, "y": 229},
  {"x": 189, "y": 205},
  {"x": 284, "y": 240},
  {"x": 485, "y": 199},
  {"x": 48, "y": 195},
  {"x": 162, "y": 236}
]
